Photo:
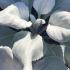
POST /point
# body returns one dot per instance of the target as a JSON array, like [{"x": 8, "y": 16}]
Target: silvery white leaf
[
  {"x": 60, "y": 26},
  {"x": 60, "y": 18},
  {"x": 28, "y": 49},
  {"x": 43, "y": 6},
  {"x": 18, "y": 9},
  {"x": 5, "y": 3},
  {"x": 6, "y": 35},
  {"x": 58, "y": 34},
  {"x": 6, "y": 61},
  {"x": 11, "y": 16}
]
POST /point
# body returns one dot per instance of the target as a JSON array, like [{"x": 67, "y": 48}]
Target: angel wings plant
[{"x": 28, "y": 20}]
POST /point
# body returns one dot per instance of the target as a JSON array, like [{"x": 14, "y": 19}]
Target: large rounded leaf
[
  {"x": 58, "y": 34},
  {"x": 59, "y": 26},
  {"x": 60, "y": 18},
  {"x": 13, "y": 21},
  {"x": 18, "y": 9},
  {"x": 29, "y": 48},
  {"x": 15, "y": 16},
  {"x": 43, "y": 6}
]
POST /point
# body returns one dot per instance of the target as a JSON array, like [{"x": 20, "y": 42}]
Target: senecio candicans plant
[{"x": 37, "y": 37}]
